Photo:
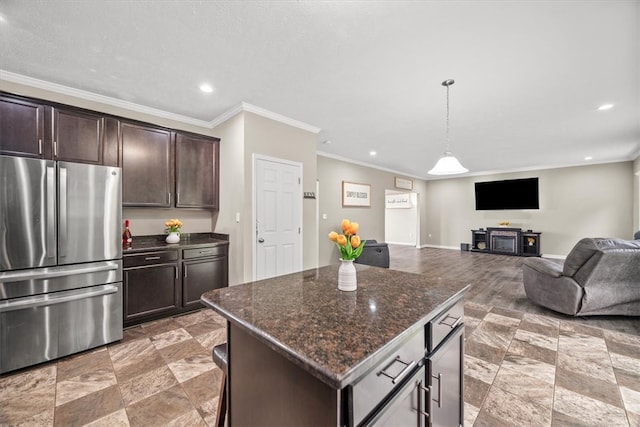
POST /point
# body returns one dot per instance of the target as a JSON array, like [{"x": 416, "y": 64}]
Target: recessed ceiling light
[
  {"x": 372, "y": 153},
  {"x": 588, "y": 158},
  {"x": 206, "y": 88},
  {"x": 605, "y": 107}
]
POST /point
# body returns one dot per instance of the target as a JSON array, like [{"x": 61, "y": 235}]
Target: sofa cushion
[{"x": 588, "y": 247}]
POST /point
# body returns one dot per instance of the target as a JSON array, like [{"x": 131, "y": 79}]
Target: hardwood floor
[{"x": 496, "y": 280}]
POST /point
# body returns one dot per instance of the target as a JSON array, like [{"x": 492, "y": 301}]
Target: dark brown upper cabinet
[
  {"x": 78, "y": 136},
  {"x": 22, "y": 125},
  {"x": 33, "y": 128},
  {"x": 147, "y": 165},
  {"x": 197, "y": 159}
]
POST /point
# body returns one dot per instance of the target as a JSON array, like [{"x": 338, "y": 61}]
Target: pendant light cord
[{"x": 447, "y": 140}]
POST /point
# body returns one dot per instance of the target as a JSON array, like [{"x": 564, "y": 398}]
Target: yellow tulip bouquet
[
  {"x": 349, "y": 242},
  {"x": 173, "y": 226}
]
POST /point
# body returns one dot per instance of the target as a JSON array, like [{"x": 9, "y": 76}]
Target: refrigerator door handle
[
  {"x": 20, "y": 276},
  {"x": 51, "y": 206},
  {"x": 62, "y": 238},
  {"x": 48, "y": 299}
]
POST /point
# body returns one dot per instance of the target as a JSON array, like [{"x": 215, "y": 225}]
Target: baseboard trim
[
  {"x": 400, "y": 243},
  {"x": 457, "y": 248}
]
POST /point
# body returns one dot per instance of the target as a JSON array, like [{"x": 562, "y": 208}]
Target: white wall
[
  {"x": 274, "y": 139},
  {"x": 400, "y": 224},
  {"x": 331, "y": 173},
  {"x": 636, "y": 194},
  {"x": 576, "y": 202}
]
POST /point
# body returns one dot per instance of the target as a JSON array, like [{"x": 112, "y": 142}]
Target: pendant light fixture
[{"x": 447, "y": 165}]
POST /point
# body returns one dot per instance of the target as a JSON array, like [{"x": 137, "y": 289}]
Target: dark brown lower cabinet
[
  {"x": 151, "y": 285},
  {"x": 200, "y": 276},
  {"x": 150, "y": 291},
  {"x": 164, "y": 283}
]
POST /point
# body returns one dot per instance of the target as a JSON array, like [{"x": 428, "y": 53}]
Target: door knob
[{"x": 261, "y": 240}]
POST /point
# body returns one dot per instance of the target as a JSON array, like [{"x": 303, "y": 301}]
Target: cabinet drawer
[
  {"x": 204, "y": 252},
  {"x": 441, "y": 326},
  {"x": 149, "y": 258},
  {"x": 384, "y": 378}
]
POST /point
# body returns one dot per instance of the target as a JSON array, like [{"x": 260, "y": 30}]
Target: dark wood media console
[{"x": 506, "y": 241}]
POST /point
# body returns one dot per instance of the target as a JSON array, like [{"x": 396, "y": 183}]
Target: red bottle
[{"x": 126, "y": 234}]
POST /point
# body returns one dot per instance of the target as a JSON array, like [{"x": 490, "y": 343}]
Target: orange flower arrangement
[
  {"x": 173, "y": 225},
  {"x": 349, "y": 242}
]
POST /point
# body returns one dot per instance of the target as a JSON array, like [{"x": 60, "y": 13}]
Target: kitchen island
[{"x": 301, "y": 352}]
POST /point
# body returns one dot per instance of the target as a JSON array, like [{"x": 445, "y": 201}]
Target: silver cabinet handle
[
  {"x": 151, "y": 258},
  {"x": 456, "y": 321},
  {"x": 55, "y": 148},
  {"x": 425, "y": 411},
  {"x": 185, "y": 270},
  {"x": 52, "y": 273},
  {"x": 169, "y": 197},
  {"x": 395, "y": 379},
  {"x": 62, "y": 209},
  {"x": 177, "y": 198},
  {"x": 51, "y": 209},
  {"x": 261, "y": 240},
  {"x": 47, "y": 299},
  {"x": 439, "y": 378},
  {"x": 40, "y": 146}
]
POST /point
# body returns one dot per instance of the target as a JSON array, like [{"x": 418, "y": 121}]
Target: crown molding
[
  {"x": 90, "y": 96},
  {"x": 368, "y": 165},
  {"x": 226, "y": 116},
  {"x": 126, "y": 105},
  {"x": 279, "y": 118}
]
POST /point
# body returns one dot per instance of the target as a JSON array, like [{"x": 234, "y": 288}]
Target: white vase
[
  {"x": 173, "y": 237},
  {"x": 347, "y": 279}
]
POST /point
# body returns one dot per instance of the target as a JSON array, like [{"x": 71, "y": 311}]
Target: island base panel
[{"x": 267, "y": 389}]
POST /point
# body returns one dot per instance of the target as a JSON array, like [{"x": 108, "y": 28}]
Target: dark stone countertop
[
  {"x": 334, "y": 335},
  {"x": 191, "y": 240}
]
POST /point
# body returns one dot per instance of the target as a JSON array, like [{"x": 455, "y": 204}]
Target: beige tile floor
[
  {"x": 161, "y": 373},
  {"x": 524, "y": 369},
  {"x": 521, "y": 369}
]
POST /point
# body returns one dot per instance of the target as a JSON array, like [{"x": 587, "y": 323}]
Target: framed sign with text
[
  {"x": 354, "y": 194},
  {"x": 405, "y": 184}
]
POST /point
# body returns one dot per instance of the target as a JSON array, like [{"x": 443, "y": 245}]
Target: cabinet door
[
  {"x": 445, "y": 404},
  {"x": 196, "y": 172},
  {"x": 200, "y": 276},
  {"x": 147, "y": 168},
  {"x": 150, "y": 290},
  {"x": 21, "y": 128},
  {"x": 78, "y": 136},
  {"x": 405, "y": 408}
]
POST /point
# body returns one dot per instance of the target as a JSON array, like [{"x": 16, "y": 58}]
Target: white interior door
[{"x": 278, "y": 214}]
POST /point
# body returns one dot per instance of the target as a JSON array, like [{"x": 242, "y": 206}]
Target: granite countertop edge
[
  {"x": 357, "y": 371},
  {"x": 187, "y": 241}
]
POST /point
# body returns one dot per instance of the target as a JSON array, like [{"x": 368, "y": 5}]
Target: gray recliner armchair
[
  {"x": 374, "y": 253},
  {"x": 599, "y": 276}
]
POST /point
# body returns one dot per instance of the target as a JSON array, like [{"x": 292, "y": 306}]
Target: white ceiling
[{"x": 530, "y": 75}]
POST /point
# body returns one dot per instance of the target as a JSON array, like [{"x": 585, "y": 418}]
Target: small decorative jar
[
  {"x": 347, "y": 279},
  {"x": 173, "y": 237}
]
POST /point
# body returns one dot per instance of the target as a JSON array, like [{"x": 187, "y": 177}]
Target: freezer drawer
[{"x": 44, "y": 327}]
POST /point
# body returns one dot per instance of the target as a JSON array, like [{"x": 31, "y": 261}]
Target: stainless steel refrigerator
[{"x": 60, "y": 259}]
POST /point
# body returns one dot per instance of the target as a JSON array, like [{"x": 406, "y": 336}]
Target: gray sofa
[{"x": 599, "y": 276}]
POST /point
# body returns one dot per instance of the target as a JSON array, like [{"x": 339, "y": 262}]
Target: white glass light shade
[{"x": 447, "y": 165}]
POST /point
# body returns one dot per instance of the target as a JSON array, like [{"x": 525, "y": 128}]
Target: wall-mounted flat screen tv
[{"x": 508, "y": 194}]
